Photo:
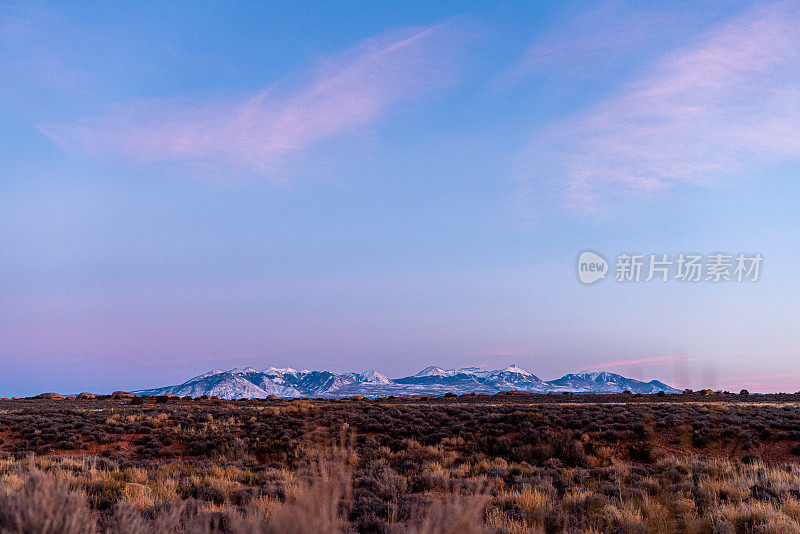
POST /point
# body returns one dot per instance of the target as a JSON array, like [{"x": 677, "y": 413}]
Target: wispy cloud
[
  {"x": 705, "y": 114},
  {"x": 602, "y": 39},
  {"x": 254, "y": 132}
]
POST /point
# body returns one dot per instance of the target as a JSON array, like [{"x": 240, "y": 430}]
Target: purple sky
[{"x": 389, "y": 187}]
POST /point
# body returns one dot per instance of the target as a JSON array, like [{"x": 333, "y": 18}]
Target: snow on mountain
[
  {"x": 433, "y": 370},
  {"x": 605, "y": 382},
  {"x": 513, "y": 369},
  {"x": 289, "y": 383},
  {"x": 272, "y": 385},
  {"x": 512, "y": 373},
  {"x": 209, "y": 373},
  {"x": 372, "y": 377},
  {"x": 245, "y": 370},
  {"x": 278, "y": 371},
  {"x": 474, "y": 371},
  {"x": 226, "y": 385}
]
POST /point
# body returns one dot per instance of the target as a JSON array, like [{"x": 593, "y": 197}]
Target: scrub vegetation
[{"x": 510, "y": 462}]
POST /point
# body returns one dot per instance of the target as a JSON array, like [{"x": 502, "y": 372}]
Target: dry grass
[
  {"x": 56, "y": 495},
  {"x": 311, "y": 467}
]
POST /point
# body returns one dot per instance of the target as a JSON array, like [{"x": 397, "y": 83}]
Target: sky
[{"x": 351, "y": 186}]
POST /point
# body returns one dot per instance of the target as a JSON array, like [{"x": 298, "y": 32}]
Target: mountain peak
[
  {"x": 433, "y": 370},
  {"x": 279, "y": 371},
  {"x": 597, "y": 375},
  {"x": 433, "y": 380},
  {"x": 606, "y": 382},
  {"x": 209, "y": 373},
  {"x": 517, "y": 370},
  {"x": 373, "y": 377}
]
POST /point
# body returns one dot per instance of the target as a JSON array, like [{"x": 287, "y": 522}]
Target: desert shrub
[
  {"x": 701, "y": 438},
  {"x": 247, "y": 465},
  {"x": 43, "y": 505},
  {"x": 641, "y": 452},
  {"x": 569, "y": 451},
  {"x": 210, "y": 494}
]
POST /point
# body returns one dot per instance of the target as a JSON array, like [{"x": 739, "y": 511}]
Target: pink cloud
[
  {"x": 344, "y": 92},
  {"x": 703, "y": 115},
  {"x": 599, "y": 40}
]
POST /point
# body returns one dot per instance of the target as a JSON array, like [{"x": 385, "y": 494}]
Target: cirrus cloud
[
  {"x": 254, "y": 132},
  {"x": 708, "y": 113}
]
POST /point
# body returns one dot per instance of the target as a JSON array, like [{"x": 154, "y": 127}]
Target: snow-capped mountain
[
  {"x": 289, "y": 383},
  {"x": 605, "y": 382},
  {"x": 434, "y": 370},
  {"x": 223, "y": 384},
  {"x": 371, "y": 377}
]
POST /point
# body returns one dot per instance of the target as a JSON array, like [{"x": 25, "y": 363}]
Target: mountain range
[{"x": 289, "y": 383}]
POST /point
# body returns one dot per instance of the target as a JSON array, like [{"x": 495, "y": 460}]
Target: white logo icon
[{"x": 591, "y": 267}]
